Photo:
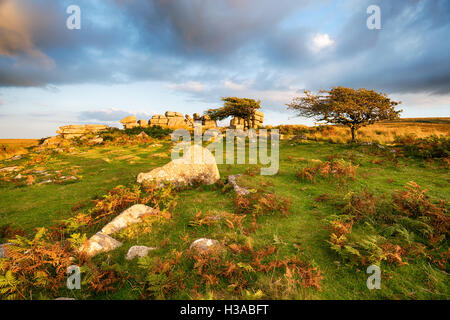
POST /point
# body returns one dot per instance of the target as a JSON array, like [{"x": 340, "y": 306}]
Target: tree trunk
[{"x": 353, "y": 133}]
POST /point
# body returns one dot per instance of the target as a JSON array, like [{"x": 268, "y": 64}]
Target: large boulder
[
  {"x": 198, "y": 165},
  {"x": 143, "y": 123},
  {"x": 99, "y": 243},
  {"x": 130, "y": 216},
  {"x": 176, "y": 122},
  {"x": 129, "y": 119},
  {"x": 158, "y": 120}
]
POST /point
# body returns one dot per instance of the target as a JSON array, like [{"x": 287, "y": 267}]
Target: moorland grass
[{"x": 302, "y": 233}]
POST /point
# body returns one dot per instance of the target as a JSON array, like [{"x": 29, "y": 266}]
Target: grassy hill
[{"x": 290, "y": 239}]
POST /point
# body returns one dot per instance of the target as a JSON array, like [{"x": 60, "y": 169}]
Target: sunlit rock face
[{"x": 198, "y": 165}]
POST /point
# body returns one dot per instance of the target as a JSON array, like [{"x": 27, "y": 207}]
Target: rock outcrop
[
  {"x": 255, "y": 123},
  {"x": 99, "y": 243},
  {"x": 78, "y": 130},
  {"x": 176, "y": 120},
  {"x": 159, "y": 120},
  {"x": 198, "y": 165},
  {"x": 129, "y": 122},
  {"x": 130, "y": 216}
]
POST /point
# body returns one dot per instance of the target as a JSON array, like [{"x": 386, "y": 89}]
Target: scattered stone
[
  {"x": 97, "y": 140},
  {"x": 17, "y": 157},
  {"x": 204, "y": 245},
  {"x": 2, "y": 251},
  {"x": 9, "y": 169},
  {"x": 197, "y": 165},
  {"x": 52, "y": 141},
  {"x": 138, "y": 251},
  {"x": 142, "y": 135},
  {"x": 64, "y": 298},
  {"x": 130, "y": 216},
  {"x": 18, "y": 177},
  {"x": 239, "y": 190},
  {"x": 99, "y": 243},
  {"x": 46, "y": 182},
  {"x": 215, "y": 218}
]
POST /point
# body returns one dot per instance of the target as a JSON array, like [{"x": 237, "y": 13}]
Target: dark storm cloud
[
  {"x": 180, "y": 41},
  {"x": 409, "y": 54}
]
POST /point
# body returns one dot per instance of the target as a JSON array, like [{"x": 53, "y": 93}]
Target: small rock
[
  {"x": 239, "y": 190},
  {"x": 9, "y": 169},
  {"x": 204, "y": 245},
  {"x": 17, "y": 157},
  {"x": 64, "y": 298},
  {"x": 142, "y": 135},
  {"x": 46, "y": 181},
  {"x": 2, "y": 250},
  {"x": 138, "y": 251},
  {"x": 97, "y": 140},
  {"x": 18, "y": 177},
  {"x": 99, "y": 243}
]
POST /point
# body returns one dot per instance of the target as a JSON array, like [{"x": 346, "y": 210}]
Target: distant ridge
[{"x": 441, "y": 120}]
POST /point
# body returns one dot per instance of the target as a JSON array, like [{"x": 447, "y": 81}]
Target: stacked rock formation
[
  {"x": 72, "y": 131},
  {"x": 129, "y": 122},
  {"x": 173, "y": 120},
  {"x": 258, "y": 119},
  {"x": 255, "y": 123},
  {"x": 237, "y": 123},
  {"x": 158, "y": 120}
]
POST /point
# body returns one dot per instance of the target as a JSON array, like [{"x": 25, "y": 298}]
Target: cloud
[
  {"x": 16, "y": 39},
  {"x": 191, "y": 86},
  {"x": 207, "y": 49},
  {"x": 321, "y": 41},
  {"x": 111, "y": 115}
]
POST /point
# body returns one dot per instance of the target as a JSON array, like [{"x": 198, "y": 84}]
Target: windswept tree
[
  {"x": 346, "y": 106},
  {"x": 236, "y": 107}
]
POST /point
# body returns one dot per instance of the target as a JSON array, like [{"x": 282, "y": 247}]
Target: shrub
[
  {"x": 334, "y": 168},
  {"x": 156, "y": 132},
  {"x": 425, "y": 148},
  {"x": 372, "y": 229},
  {"x": 261, "y": 203},
  {"x": 35, "y": 264}
]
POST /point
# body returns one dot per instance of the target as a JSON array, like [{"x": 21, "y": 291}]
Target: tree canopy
[
  {"x": 236, "y": 107},
  {"x": 346, "y": 106}
]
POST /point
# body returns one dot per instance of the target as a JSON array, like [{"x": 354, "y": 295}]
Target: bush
[
  {"x": 426, "y": 148},
  {"x": 156, "y": 132},
  {"x": 337, "y": 168},
  {"x": 372, "y": 229}
]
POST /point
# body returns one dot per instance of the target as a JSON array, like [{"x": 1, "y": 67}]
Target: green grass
[{"x": 301, "y": 233}]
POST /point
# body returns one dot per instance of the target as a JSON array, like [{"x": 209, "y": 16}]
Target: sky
[{"x": 145, "y": 57}]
